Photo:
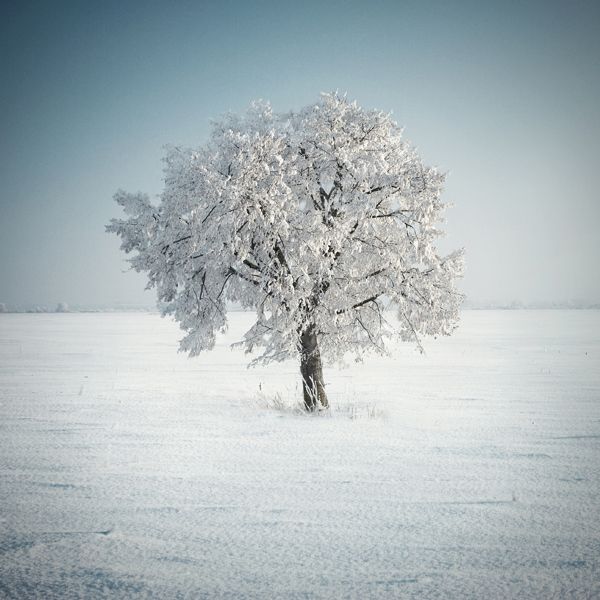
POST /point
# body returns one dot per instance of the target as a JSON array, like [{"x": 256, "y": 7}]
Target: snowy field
[{"x": 128, "y": 470}]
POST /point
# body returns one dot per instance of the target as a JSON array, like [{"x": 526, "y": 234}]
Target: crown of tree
[{"x": 322, "y": 221}]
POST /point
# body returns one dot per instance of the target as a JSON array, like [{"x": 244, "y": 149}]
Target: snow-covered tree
[{"x": 317, "y": 220}]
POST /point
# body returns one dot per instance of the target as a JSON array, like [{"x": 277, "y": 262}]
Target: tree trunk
[{"x": 311, "y": 370}]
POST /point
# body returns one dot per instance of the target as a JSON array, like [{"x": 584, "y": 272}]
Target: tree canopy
[{"x": 318, "y": 220}]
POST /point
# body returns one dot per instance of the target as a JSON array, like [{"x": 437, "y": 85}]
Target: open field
[{"x": 128, "y": 470}]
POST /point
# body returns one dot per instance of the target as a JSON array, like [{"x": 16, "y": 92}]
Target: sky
[{"x": 503, "y": 96}]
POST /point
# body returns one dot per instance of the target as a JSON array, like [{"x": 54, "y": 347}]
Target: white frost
[{"x": 316, "y": 219}]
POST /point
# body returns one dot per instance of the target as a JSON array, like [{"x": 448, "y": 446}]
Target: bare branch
[{"x": 358, "y": 304}]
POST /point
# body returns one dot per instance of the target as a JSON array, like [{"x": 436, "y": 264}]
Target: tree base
[{"x": 311, "y": 370}]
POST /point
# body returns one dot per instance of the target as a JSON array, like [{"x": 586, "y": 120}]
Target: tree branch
[
  {"x": 358, "y": 304},
  {"x": 234, "y": 271}
]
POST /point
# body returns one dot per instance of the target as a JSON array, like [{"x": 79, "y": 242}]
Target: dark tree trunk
[{"x": 311, "y": 370}]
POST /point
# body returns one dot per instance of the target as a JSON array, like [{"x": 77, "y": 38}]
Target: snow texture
[
  {"x": 128, "y": 470},
  {"x": 315, "y": 219}
]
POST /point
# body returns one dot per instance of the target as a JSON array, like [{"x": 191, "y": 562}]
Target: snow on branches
[{"x": 317, "y": 220}]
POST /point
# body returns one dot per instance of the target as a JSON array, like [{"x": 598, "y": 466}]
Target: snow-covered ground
[{"x": 128, "y": 470}]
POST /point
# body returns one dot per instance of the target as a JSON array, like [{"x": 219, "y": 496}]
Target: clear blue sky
[{"x": 504, "y": 96}]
